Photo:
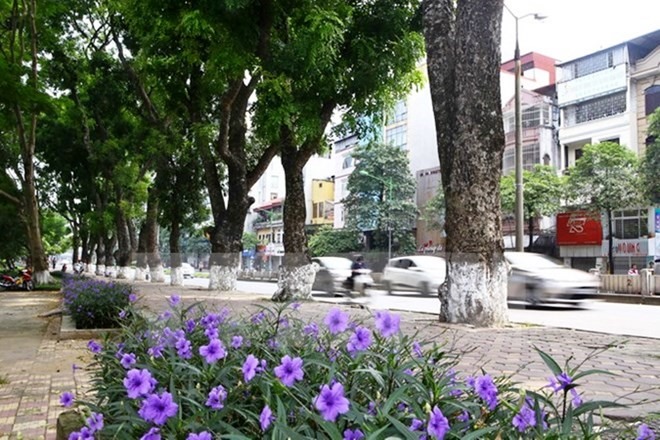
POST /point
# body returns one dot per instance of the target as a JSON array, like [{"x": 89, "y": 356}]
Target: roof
[
  {"x": 269, "y": 205},
  {"x": 644, "y": 44}
]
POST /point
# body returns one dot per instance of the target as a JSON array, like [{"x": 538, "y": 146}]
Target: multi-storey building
[{"x": 607, "y": 96}]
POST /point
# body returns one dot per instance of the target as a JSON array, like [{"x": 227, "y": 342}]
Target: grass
[{"x": 4, "y": 380}]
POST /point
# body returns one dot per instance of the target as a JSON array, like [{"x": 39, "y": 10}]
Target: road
[{"x": 601, "y": 317}]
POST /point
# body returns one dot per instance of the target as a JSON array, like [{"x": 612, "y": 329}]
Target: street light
[
  {"x": 387, "y": 182},
  {"x": 519, "y": 215}
]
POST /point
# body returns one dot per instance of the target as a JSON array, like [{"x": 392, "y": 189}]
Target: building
[{"x": 607, "y": 96}]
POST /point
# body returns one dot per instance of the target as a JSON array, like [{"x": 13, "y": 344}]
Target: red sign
[{"x": 579, "y": 228}]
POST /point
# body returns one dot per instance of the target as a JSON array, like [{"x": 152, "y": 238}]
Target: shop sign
[
  {"x": 579, "y": 228},
  {"x": 657, "y": 220},
  {"x": 629, "y": 248}
]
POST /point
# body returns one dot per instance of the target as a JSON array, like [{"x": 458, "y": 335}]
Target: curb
[
  {"x": 629, "y": 299},
  {"x": 68, "y": 330}
]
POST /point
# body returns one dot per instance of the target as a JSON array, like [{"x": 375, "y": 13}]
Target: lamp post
[
  {"x": 519, "y": 214},
  {"x": 387, "y": 182}
]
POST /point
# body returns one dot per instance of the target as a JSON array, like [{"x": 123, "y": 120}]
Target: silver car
[
  {"x": 537, "y": 279},
  {"x": 332, "y": 272},
  {"x": 424, "y": 273}
]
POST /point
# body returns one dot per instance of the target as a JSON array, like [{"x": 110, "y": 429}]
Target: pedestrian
[{"x": 633, "y": 270}]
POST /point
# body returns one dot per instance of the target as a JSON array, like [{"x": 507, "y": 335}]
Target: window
[
  {"x": 578, "y": 153},
  {"x": 531, "y": 156},
  {"x": 396, "y": 136},
  {"x": 274, "y": 182},
  {"x": 399, "y": 113},
  {"x": 593, "y": 63},
  {"x": 652, "y": 99},
  {"x": 348, "y": 162},
  {"x": 600, "y": 108},
  {"x": 508, "y": 163},
  {"x": 630, "y": 223}
]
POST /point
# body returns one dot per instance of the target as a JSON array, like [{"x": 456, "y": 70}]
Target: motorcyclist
[{"x": 356, "y": 267}]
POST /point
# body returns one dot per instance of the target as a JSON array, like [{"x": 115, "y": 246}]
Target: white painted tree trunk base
[
  {"x": 295, "y": 283},
  {"x": 89, "y": 269},
  {"x": 475, "y": 295},
  {"x": 110, "y": 271},
  {"x": 100, "y": 270},
  {"x": 124, "y": 273},
  {"x": 42, "y": 277},
  {"x": 223, "y": 278},
  {"x": 157, "y": 274},
  {"x": 141, "y": 273},
  {"x": 176, "y": 276}
]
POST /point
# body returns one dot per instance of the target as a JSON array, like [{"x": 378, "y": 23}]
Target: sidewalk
[{"x": 37, "y": 364}]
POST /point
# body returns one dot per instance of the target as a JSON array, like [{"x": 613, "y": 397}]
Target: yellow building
[{"x": 323, "y": 206}]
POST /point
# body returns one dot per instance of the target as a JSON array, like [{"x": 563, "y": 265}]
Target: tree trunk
[
  {"x": 296, "y": 275},
  {"x": 110, "y": 241},
  {"x": 123, "y": 242},
  {"x": 100, "y": 255},
  {"x": 463, "y": 43},
  {"x": 157, "y": 274},
  {"x": 530, "y": 227},
  {"x": 176, "y": 275},
  {"x": 141, "y": 267},
  {"x": 610, "y": 243}
]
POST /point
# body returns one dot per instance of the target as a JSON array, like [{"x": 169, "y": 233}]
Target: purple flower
[
  {"x": 165, "y": 315},
  {"x": 311, "y": 329},
  {"x": 138, "y": 383},
  {"x": 560, "y": 382},
  {"x": 295, "y": 306},
  {"x": 250, "y": 368},
  {"x": 158, "y": 409},
  {"x": 213, "y": 351},
  {"x": 353, "y": 435},
  {"x": 190, "y": 325},
  {"x": 66, "y": 399},
  {"x": 257, "y": 318},
  {"x": 645, "y": 433},
  {"x": 122, "y": 314},
  {"x": 95, "y": 422},
  {"x": 487, "y": 390},
  {"x": 336, "y": 320},
  {"x": 175, "y": 300},
  {"x": 236, "y": 341},
  {"x": 438, "y": 424},
  {"x": 156, "y": 351},
  {"x": 576, "y": 399},
  {"x": 359, "y": 340},
  {"x": 216, "y": 397},
  {"x": 417, "y": 349},
  {"x": 127, "y": 360},
  {"x": 525, "y": 418},
  {"x": 132, "y": 297},
  {"x": 204, "y": 435},
  {"x": 183, "y": 348},
  {"x": 463, "y": 417},
  {"x": 84, "y": 434},
  {"x": 265, "y": 418},
  {"x": 290, "y": 370},
  {"x": 94, "y": 347},
  {"x": 387, "y": 323},
  {"x": 153, "y": 434},
  {"x": 211, "y": 332},
  {"x": 371, "y": 408},
  {"x": 331, "y": 402},
  {"x": 416, "y": 425}
]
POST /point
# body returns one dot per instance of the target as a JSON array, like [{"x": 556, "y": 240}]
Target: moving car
[
  {"x": 424, "y": 273},
  {"x": 187, "y": 270},
  {"x": 538, "y": 279},
  {"x": 332, "y": 272}
]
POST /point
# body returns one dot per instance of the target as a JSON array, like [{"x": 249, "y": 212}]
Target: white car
[
  {"x": 538, "y": 279},
  {"x": 332, "y": 272},
  {"x": 424, "y": 273},
  {"x": 187, "y": 270}
]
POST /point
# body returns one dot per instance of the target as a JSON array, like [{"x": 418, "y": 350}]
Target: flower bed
[
  {"x": 199, "y": 374},
  {"x": 95, "y": 303}
]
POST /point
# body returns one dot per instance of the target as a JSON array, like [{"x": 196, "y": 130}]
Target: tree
[
  {"x": 605, "y": 178},
  {"x": 250, "y": 241},
  {"x": 329, "y": 241},
  {"x": 356, "y": 56},
  {"x": 434, "y": 211},
  {"x": 21, "y": 102},
  {"x": 463, "y": 54},
  {"x": 381, "y": 194},
  {"x": 650, "y": 167},
  {"x": 542, "y": 192},
  {"x": 56, "y": 233}
]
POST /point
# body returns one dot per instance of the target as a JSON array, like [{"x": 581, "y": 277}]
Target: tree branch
[{"x": 15, "y": 200}]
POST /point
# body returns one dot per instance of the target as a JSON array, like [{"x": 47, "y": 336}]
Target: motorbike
[
  {"x": 23, "y": 281},
  {"x": 359, "y": 283}
]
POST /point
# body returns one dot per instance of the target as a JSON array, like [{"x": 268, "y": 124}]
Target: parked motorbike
[
  {"x": 23, "y": 281},
  {"x": 359, "y": 283}
]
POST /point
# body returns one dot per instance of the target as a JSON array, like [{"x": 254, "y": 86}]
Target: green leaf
[
  {"x": 401, "y": 428},
  {"x": 582, "y": 374},
  {"x": 480, "y": 433},
  {"x": 594, "y": 405},
  {"x": 549, "y": 361}
]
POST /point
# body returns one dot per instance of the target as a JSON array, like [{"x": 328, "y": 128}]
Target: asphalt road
[{"x": 601, "y": 317}]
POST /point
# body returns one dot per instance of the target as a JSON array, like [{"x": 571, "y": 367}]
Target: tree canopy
[{"x": 650, "y": 166}]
